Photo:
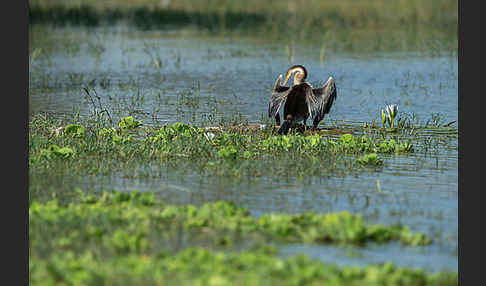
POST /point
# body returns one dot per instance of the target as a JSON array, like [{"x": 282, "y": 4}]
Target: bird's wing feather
[
  {"x": 279, "y": 95},
  {"x": 320, "y": 100}
]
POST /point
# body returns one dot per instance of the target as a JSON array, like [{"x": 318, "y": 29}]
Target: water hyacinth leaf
[
  {"x": 117, "y": 139},
  {"x": 370, "y": 159},
  {"x": 55, "y": 151},
  {"x": 228, "y": 152},
  {"x": 129, "y": 123},
  {"x": 74, "y": 130},
  {"x": 346, "y": 138}
]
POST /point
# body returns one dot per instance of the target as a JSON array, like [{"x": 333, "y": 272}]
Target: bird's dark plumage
[{"x": 301, "y": 100}]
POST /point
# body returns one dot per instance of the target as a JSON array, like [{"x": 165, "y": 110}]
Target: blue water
[{"x": 232, "y": 78}]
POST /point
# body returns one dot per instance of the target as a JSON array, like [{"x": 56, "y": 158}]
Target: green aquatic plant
[
  {"x": 74, "y": 130},
  {"x": 393, "y": 146},
  {"x": 98, "y": 109},
  {"x": 228, "y": 152},
  {"x": 122, "y": 237},
  {"x": 201, "y": 266},
  {"x": 129, "y": 123},
  {"x": 137, "y": 213},
  {"x": 384, "y": 119},
  {"x": 178, "y": 131},
  {"x": 370, "y": 159},
  {"x": 389, "y": 116},
  {"x": 221, "y": 151},
  {"x": 122, "y": 140},
  {"x": 55, "y": 151},
  {"x": 392, "y": 111},
  {"x": 350, "y": 143}
]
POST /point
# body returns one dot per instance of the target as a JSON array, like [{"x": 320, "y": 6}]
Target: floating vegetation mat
[
  {"x": 131, "y": 238},
  {"x": 92, "y": 147}
]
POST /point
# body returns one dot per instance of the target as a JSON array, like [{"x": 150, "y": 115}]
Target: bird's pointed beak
[{"x": 286, "y": 78}]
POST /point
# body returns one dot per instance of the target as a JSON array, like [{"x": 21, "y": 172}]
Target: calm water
[{"x": 162, "y": 78}]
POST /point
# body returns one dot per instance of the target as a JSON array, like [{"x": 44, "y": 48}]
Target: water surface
[{"x": 162, "y": 78}]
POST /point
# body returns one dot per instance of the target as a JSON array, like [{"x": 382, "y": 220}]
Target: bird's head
[{"x": 300, "y": 74}]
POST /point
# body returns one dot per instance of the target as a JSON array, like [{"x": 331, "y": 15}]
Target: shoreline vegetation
[
  {"x": 371, "y": 13},
  {"x": 81, "y": 147},
  {"x": 339, "y": 25},
  {"x": 77, "y": 146}
]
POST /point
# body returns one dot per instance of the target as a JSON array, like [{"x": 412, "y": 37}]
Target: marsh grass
[{"x": 99, "y": 110}]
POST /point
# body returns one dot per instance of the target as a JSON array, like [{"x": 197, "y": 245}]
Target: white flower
[
  {"x": 391, "y": 111},
  {"x": 209, "y": 135}
]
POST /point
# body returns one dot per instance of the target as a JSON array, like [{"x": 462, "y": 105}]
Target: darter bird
[{"x": 301, "y": 100}]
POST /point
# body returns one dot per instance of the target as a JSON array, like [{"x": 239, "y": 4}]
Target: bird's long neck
[
  {"x": 298, "y": 80},
  {"x": 300, "y": 74}
]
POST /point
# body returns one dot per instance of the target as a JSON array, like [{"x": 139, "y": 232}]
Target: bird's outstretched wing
[
  {"x": 279, "y": 95},
  {"x": 320, "y": 100}
]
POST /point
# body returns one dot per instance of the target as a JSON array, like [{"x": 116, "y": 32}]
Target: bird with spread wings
[{"x": 301, "y": 99}]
